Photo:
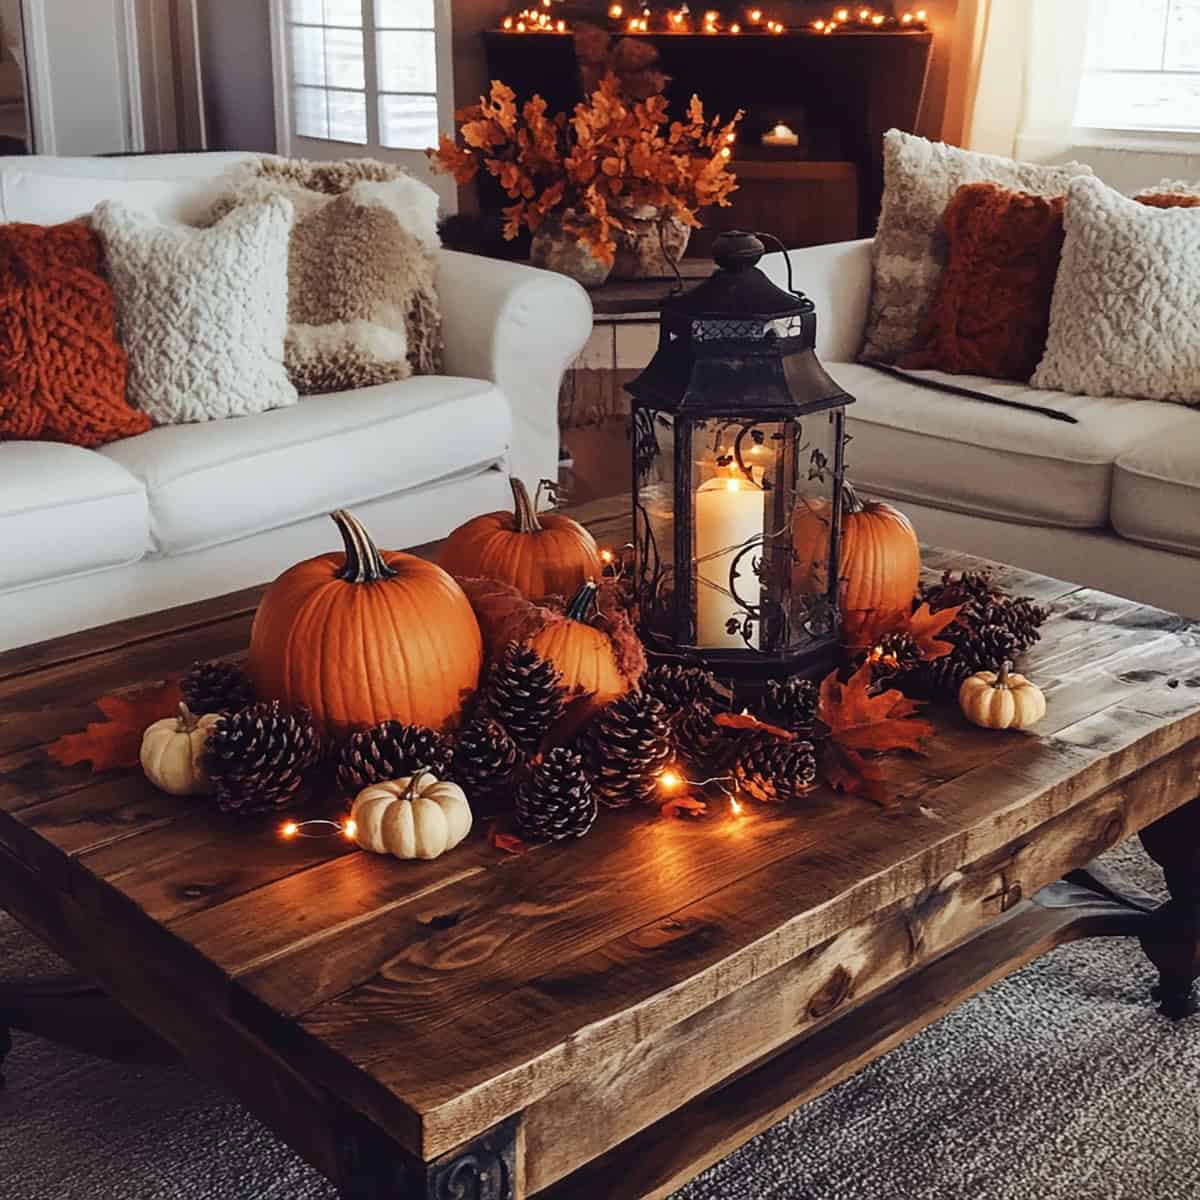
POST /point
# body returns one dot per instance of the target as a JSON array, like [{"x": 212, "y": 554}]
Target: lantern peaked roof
[{"x": 735, "y": 289}]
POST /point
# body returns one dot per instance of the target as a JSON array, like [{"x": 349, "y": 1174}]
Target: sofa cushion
[
  {"x": 65, "y": 511},
  {"x": 214, "y": 482},
  {"x": 1156, "y": 489},
  {"x": 46, "y": 199},
  {"x": 913, "y": 442}
]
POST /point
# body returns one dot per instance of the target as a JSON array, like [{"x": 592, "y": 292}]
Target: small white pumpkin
[
  {"x": 419, "y": 816},
  {"x": 1001, "y": 700},
  {"x": 171, "y": 750}
]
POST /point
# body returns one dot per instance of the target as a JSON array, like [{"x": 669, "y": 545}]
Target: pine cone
[
  {"x": 983, "y": 604},
  {"x": 256, "y": 758},
  {"x": 627, "y": 747},
  {"x": 896, "y": 655},
  {"x": 937, "y": 680},
  {"x": 986, "y": 648},
  {"x": 700, "y": 742},
  {"x": 391, "y": 750},
  {"x": 556, "y": 802},
  {"x": 791, "y": 703},
  {"x": 677, "y": 686},
  {"x": 216, "y": 687},
  {"x": 485, "y": 759},
  {"x": 524, "y": 693},
  {"x": 772, "y": 770}
]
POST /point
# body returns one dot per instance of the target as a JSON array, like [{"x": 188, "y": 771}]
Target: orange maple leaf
[
  {"x": 924, "y": 626},
  {"x": 115, "y": 741},
  {"x": 861, "y": 723},
  {"x": 864, "y": 628}
]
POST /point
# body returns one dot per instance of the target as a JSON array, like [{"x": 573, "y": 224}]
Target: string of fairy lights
[{"x": 644, "y": 19}]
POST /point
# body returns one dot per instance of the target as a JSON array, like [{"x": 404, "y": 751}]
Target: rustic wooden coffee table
[{"x": 609, "y": 1017}]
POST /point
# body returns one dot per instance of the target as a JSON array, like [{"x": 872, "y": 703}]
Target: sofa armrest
[
  {"x": 837, "y": 279},
  {"x": 519, "y": 327}
]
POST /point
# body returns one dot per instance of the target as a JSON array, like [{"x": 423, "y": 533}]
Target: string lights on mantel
[{"x": 635, "y": 18}]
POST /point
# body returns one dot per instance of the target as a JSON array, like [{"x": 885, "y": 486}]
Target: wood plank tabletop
[{"x": 438, "y": 998}]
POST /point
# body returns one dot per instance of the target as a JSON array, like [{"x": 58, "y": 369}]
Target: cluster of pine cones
[
  {"x": 992, "y": 628},
  {"x": 257, "y": 755}
]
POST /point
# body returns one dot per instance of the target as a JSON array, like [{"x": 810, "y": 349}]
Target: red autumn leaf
[
  {"x": 848, "y": 771},
  {"x": 508, "y": 842},
  {"x": 115, "y": 741},
  {"x": 747, "y": 722},
  {"x": 924, "y": 626},
  {"x": 683, "y": 806},
  {"x": 858, "y": 720}
]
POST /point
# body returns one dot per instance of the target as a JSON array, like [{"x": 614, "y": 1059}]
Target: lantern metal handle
[{"x": 787, "y": 258}]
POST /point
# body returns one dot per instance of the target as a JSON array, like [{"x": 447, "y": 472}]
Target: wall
[{"x": 235, "y": 63}]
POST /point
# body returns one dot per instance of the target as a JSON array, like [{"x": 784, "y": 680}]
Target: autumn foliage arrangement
[{"x": 615, "y": 155}]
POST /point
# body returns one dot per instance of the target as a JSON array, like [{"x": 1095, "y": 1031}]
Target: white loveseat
[
  {"x": 190, "y": 511},
  {"x": 1111, "y": 501}
]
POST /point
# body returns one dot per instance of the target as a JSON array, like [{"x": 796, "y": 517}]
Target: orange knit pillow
[
  {"x": 992, "y": 310},
  {"x": 62, "y": 374}
]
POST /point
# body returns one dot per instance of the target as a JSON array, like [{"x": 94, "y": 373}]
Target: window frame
[{"x": 292, "y": 144}]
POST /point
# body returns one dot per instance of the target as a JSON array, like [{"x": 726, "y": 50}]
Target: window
[
  {"x": 363, "y": 72},
  {"x": 1142, "y": 66}
]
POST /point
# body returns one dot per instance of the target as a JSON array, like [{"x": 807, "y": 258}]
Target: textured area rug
[{"x": 1060, "y": 1083}]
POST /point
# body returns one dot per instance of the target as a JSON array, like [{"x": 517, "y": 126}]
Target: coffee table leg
[
  {"x": 1173, "y": 942},
  {"x": 488, "y": 1167}
]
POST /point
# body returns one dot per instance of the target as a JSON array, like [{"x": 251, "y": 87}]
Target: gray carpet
[{"x": 1061, "y": 1083}]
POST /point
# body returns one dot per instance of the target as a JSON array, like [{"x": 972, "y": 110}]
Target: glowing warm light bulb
[
  {"x": 520, "y": 26},
  {"x": 561, "y": 27},
  {"x": 756, "y": 15},
  {"x": 842, "y": 14},
  {"x": 877, "y": 19},
  {"x": 906, "y": 19},
  {"x": 349, "y": 830},
  {"x": 864, "y": 14},
  {"x": 711, "y": 16},
  {"x": 508, "y": 22},
  {"x": 735, "y": 28},
  {"x": 606, "y": 556},
  {"x": 920, "y": 14},
  {"x": 669, "y": 780},
  {"x": 290, "y": 830},
  {"x": 818, "y": 25},
  {"x": 616, "y": 11},
  {"x": 735, "y": 806},
  {"x": 725, "y": 151},
  {"x": 633, "y": 24}
]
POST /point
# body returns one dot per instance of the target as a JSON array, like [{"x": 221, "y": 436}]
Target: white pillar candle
[{"x": 729, "y": 514}]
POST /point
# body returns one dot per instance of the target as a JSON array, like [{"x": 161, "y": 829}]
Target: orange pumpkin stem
[
  {"x": 583, "y": 603},
  {"x": 524, "y": 509},
  {"x": 364, "y": 563}
]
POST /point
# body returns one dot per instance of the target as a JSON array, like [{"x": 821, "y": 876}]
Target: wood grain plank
[{"x": 852, "y": 868}]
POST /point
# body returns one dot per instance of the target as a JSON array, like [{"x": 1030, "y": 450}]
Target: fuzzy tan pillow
[
  {"x": 909, "y": 252},
  {"x": 1125, "y": 319},
  {"x": 362, "y": 263}
]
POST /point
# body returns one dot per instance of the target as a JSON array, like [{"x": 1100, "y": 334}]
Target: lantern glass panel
[{"x": 654, "y": 521}]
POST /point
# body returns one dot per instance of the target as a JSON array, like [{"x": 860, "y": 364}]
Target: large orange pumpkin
[
  {"x": 366, "y": 636},
  {"x": 880, "y": 559},
  {"x": 540, "y": 554}
]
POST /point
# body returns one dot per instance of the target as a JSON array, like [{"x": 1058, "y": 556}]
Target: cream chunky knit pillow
[
  {"x": 909, "y": 252},
  {"x": 1125, "y": 318},
  {"x": 201, "y": 313}
]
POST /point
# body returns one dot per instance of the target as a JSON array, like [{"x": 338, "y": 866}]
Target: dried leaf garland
[{"x": 114, "y": 742}]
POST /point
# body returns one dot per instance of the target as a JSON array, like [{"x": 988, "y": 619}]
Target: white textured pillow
[
  {"x": 909, "y": 252},
  {"x": 1125, "y": 318},
  {"x": 202, "y": 313}
]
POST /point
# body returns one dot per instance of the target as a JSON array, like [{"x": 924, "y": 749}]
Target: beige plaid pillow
[{"x": 920, "y": 179}]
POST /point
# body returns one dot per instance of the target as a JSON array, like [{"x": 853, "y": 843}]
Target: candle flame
[{"x": 733, "y": 485}]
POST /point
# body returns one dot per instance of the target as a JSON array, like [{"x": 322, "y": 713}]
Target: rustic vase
[
  {"x": 557, "y": 250},
  {"x": 648, "y": 245}
]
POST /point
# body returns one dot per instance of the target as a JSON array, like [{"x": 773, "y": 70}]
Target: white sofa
[
  {"x": 1112, "y": 501},
  {"x": 186, "y": 512}
]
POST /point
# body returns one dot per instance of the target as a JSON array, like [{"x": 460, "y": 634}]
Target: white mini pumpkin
[
  {"x": 171, "y": 750},
  {"x": 419, "y": 816},
  {"x": 1001, "y": 700}
]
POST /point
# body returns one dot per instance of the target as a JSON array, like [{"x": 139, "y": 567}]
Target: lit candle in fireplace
[
  {"x": 781, "y": 135},
  {"x": 729, "y": 516}
]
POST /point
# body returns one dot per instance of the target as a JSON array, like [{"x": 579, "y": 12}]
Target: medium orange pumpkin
[
  {"x": 540, "y": 554},
  {"x": 366, "y": 636},
  {"x": 880, "y": 559}
]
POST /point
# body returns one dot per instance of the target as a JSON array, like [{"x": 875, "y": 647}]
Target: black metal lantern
[{"x": 738, "y": 470}]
